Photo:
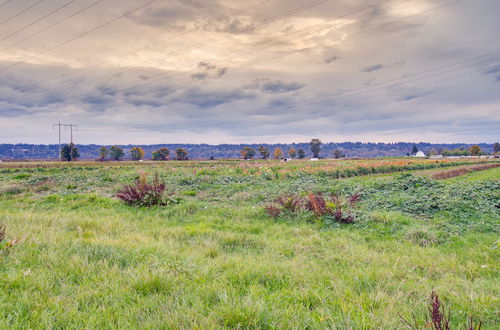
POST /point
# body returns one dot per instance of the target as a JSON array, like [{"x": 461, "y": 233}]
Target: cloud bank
[{"x": 264, "y": 71}]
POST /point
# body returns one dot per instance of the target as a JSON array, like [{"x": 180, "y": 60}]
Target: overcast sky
[{"x": 225, "y": 71}]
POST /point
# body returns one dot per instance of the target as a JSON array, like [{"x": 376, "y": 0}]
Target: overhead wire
[
  {"x": 394, "y": 80},
  {"x": 151, "y": 45},
  {"x": 96, "y": 28},
  {"x": 270, "y": 111},
  {"x": 52, "y": 12},
  {"x": 78, "y": 12},
  {"x": 267, "y": 20},
  {"x": 101, "y": 77},
  {"x": 246, "y": 52},
  {"x": 4, "y": 3},
  {"x": 21, "y": 12}
]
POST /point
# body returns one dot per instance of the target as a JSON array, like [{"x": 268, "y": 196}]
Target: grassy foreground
[{"x": 85, "y": 260}]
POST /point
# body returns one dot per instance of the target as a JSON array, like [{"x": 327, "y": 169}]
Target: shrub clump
[
  {"x": 333, "y": 208},
  {"x": 422, "y": 237},
  {"x": 145, "y": 193}
]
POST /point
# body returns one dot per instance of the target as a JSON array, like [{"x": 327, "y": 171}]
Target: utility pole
[
  {"x": 71, "y": 144},
  {"x": 59, "y": 125},
  {"x": 71, "y": 130}
]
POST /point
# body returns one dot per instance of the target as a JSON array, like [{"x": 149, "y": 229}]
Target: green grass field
[{"x": 217, "y": 260}]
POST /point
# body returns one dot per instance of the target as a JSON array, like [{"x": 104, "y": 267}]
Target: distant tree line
[{"x": 263, "y": 151}]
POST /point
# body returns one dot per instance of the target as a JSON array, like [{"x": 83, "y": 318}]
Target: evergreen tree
[
  {"x": 414, "y": 150},
  {"x": 301, "y": 153},
  {"x": 70, "y": 153}
]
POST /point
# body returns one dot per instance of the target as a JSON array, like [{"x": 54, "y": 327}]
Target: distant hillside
[{"x": 205, "y": 151}]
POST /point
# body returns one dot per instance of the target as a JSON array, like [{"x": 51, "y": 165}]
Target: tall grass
[{"x": 216, "y": 260}]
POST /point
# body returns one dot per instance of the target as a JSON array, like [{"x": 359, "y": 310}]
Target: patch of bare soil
[{"x": 462, "y": 171}]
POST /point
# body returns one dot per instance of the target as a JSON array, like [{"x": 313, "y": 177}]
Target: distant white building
[{"x": 419, "y": 154}]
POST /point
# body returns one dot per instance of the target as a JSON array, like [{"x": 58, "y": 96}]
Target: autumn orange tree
[
  {"x": 247, "y": 153},
  {"x": 137, "y": 153},
  {"x": 475, "y": 150},
  {"x": 278, "y": 153},
  {"x": 292, "y": 152}
]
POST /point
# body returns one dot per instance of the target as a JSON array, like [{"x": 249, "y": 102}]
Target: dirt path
[{"x": 447, "y": 174}]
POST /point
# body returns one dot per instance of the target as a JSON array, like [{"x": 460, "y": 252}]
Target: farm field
[{"x": 75, "y": 256}]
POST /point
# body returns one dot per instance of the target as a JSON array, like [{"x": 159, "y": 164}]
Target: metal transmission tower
[{"x": 71, "y": 126}]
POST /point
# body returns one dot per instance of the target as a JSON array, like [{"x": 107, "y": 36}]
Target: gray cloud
[
  {"x": 373, "y": 68},
  {"x": 331, "y": 59},
  {"x": 181, "y": 87},
  {"x": 274, "y": 86},
  {"x": 209, "y": 71},
  {"x": 206, "y": 99}
]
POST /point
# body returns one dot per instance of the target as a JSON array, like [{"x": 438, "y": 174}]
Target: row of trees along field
[
  {"x": 315, "y": 147},
  {"x": 70, "y": 152},
  {"x": 474, "y": 150}
]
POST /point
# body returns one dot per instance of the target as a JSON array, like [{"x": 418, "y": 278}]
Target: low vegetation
[
  {"x": 438, "y": 318},
  {"x": 144, "y": 193},
  {"x": 78, "y": 255},
  {"x": 335, "y": 207}
]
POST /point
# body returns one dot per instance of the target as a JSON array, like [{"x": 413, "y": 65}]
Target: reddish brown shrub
[
  {"x": 334, "y": 207},
  {"x": 316, "y": 203},
  {"x": 2, "y": 233},
  {"x": 439, "y": 318},
  {"x": 144, "y": 193},
  {"x": 273, "y": 211}
]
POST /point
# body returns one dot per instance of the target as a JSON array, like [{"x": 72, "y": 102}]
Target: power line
[
  {"x": 6, "y": 2},
  {"x": 204, "y": 122},
  {"x": 101, "y": 77},
  {"x": 349, "y": 94},
  {"x": 149, "y": 46},
  {"x": 65, "y": 126},
  {"x": 322, "y": 26},
  {"x": 246, "y": 52},
  {"x": 38, "y": 20},
  {"x": 52, "y": 25},
  {"x": 435, "y": 8},
  {"x": 271, "y": 111},
  {"x": 79, "y": 35},
  {"x": 21, "y": 12}
]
